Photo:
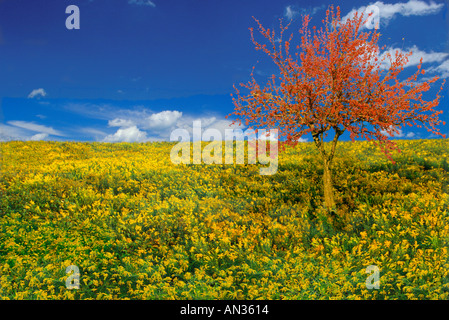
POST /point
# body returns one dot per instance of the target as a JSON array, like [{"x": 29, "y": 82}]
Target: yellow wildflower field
[{"x": 139, "y": 227}]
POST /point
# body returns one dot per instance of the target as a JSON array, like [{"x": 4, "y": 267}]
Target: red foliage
[{"x": 335, "y": 80}]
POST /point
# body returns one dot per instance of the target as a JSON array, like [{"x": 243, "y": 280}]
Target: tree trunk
[
  {"x": 328, "y": 188},
  {"x": 327, "y": 157}
]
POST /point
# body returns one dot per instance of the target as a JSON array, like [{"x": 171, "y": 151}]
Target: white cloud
[
  {"x": 428, "y": 57},
  {"x": 12, "y": 133},
  {"x": 206, "y": 123},
  {"x": 162, "y": 120},
  {"x": 417, "y": 54},
  {"x": 37, "y": 92},
  {"x": 292, "y": 12},
  {"x": 144, "y": 125},
  {"x": 142, "y": 3},
  {"x": 268, "y": 136},
  {"x": 400, "y": 134},
  {"x": 388, "y": 11},
  {"x": 39, "y": 136},
  {"x": 161, "y": 124},
  {"x": 385, "y": 133},
  {"x": 442, "y": 69},
  {"x": 118, "y": 122},
  {"x": 220, "y": 125},
  {"x": 36, "y": 127},
  {"x": 411, "y": 8},
  {"x": 131, "y": 134}
]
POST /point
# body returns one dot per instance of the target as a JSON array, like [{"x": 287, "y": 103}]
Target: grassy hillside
[{"x": 139, "y": 227}]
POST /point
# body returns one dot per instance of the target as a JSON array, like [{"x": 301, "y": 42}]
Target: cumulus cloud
[
  {"x": 388, "y": 11},
  {"x": 399, "y": 134},
  {"x": 162, "y": 120},
  {"x": 131, "y": 134},
  {"x": 37, "y": 92},
  {"x": 396, "y": 135},
  {"x": 218, "y": 124},
  {"x": 142, "y": 124},
  {"x": 268, "y": 136},
  {"x": 208, "y": 125},
  {"x": 161, "y": 124}
]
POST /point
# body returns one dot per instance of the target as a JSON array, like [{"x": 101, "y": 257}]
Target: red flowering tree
[{"x": 336, "y": 81}]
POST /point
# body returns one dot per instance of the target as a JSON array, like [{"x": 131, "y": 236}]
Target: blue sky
[{"x": 137, "y": 69}]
